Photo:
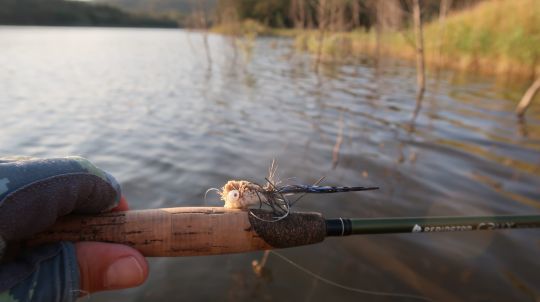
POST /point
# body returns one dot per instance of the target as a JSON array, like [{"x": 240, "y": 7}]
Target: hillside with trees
[{"x": 73, "y": 13}]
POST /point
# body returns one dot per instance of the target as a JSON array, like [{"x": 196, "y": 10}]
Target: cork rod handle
[{"x": 188, "y": 231}]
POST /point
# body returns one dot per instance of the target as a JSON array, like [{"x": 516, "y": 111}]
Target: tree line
[{"x": 340, "y": 15}]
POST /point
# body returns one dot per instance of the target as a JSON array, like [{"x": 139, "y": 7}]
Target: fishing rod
[{"x": 197, "y": 231}]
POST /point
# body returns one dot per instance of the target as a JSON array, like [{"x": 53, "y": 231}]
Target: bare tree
[
  {"x": 379, "y": 8},
  {"x": 205, "y": 40},
  {"x": 420, "y": 61},
  {"x": 443, "y": 11},
  {"x": 355, "y": 11},
  {"x": 200, "y": 20},
  {"x": 337, "y": 15},
  {"x": 298, "y": 13},
  {"x": 388, "y": 15},
  {"x": 322, "y": 17},
  {"x": 229, "y": 17}
]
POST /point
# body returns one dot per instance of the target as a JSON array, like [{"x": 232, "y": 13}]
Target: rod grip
[{"x": 188, "y": 231}]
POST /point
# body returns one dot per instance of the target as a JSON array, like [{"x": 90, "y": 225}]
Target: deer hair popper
[{"x": 241, "y": 194}]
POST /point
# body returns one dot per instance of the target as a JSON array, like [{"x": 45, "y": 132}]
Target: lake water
[{"x": 146, "y": 106}]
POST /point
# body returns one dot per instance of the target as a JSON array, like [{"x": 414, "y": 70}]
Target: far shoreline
[{"x": 88, "y": 26}]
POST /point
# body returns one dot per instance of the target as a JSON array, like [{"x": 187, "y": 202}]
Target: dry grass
[{"x": 495, "y": 37}]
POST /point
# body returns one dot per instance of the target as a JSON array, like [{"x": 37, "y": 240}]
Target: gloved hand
[{"x": 33, "y": 194}]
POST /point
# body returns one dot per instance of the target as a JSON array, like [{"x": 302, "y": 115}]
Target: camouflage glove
[{"x": 33, "y": 194}]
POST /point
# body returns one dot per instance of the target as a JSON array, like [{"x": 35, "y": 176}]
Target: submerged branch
[
  {"x": 337, "y": 146},
  {"x": 527, "y": 98}
]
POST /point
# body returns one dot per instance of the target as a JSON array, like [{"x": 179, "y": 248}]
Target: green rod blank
[{"x": 354, "y": 226}]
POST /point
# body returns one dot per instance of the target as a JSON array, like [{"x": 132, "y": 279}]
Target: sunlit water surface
[{"x": 146, "y": 106}]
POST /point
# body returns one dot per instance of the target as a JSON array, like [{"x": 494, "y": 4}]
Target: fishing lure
[{"x": 242, "y": 194}]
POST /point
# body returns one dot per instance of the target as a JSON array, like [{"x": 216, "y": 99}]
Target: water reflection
[{"x": 143, "y": 105}]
